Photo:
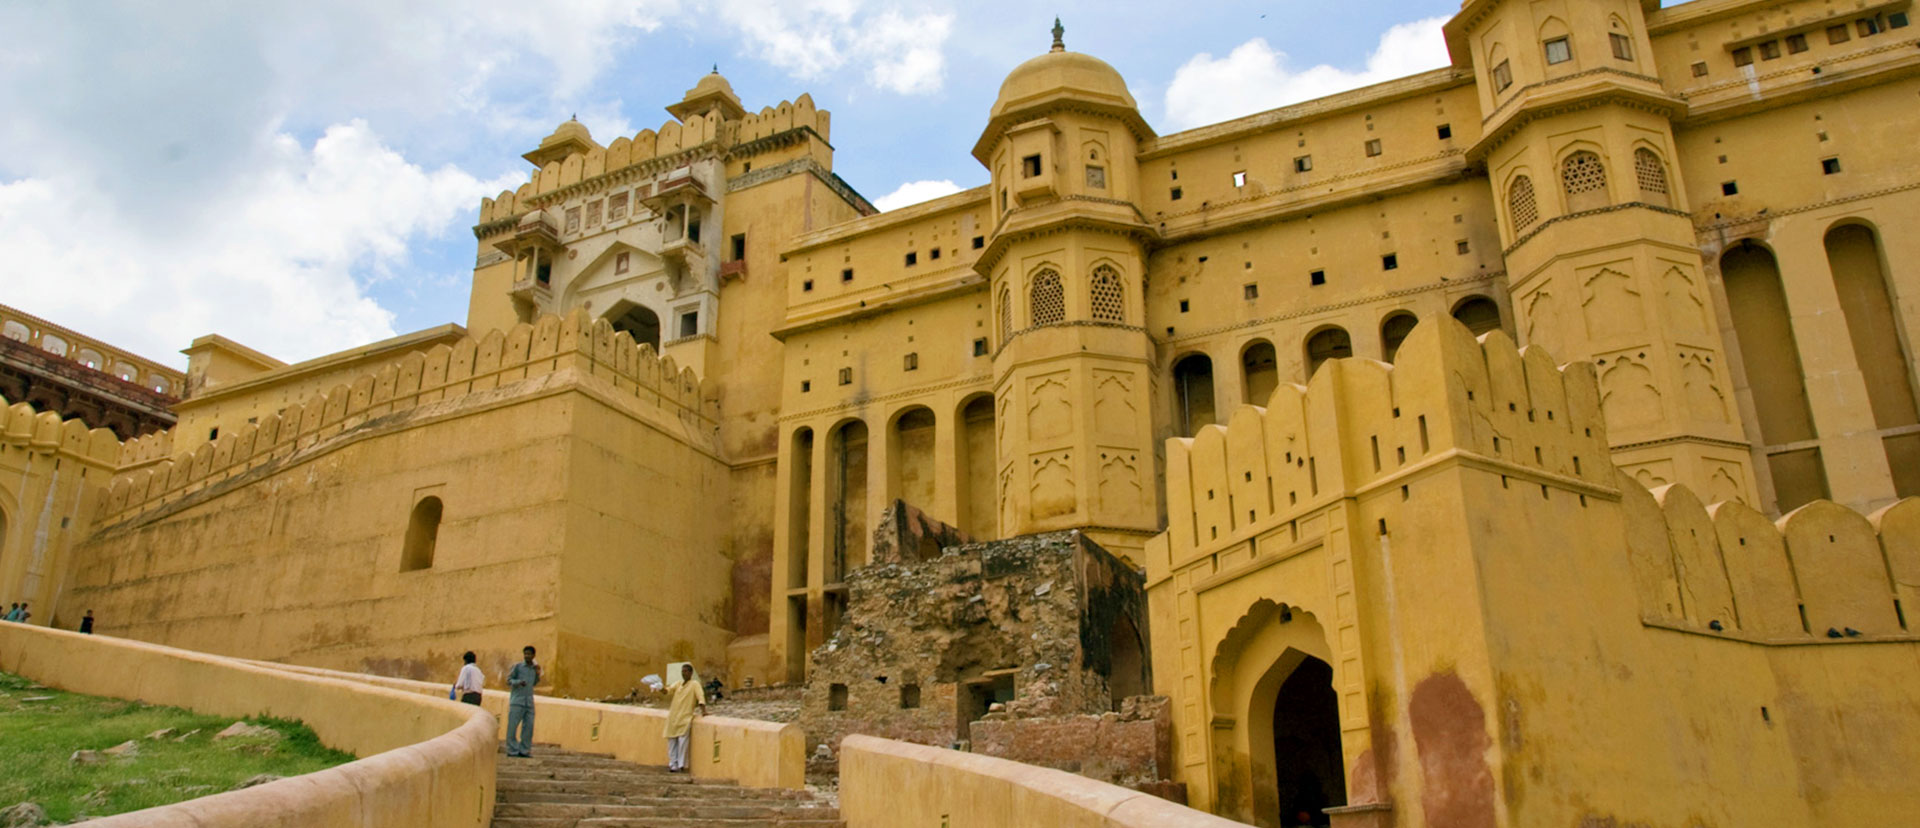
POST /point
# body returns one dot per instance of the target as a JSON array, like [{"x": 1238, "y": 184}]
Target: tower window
[
  {"x": 1728, "y": 188},
  {"x": 1250, "y": 290},
  {"x": 423, "y": 533},
  {"x": 1303, "y": 164},
  {"x": 1461, "y": 247},
  {"x": 980, "y": 346},
  {"x": 1446, "y": 131},
  {"x": 913, "y": 259},
  {"x": 1175, "y": 194},
  {"x": 1829, "y": 166},
  {"x": 806, "y": 286},
  {"x": 1838, "y": 34},
  {"x": 689, "y": 323},
  {"x": 1240, "y": 179},
  {"x": 1622, "y": 46},
  {"x": 1318, "y": 277},
  {"x": 1867, "y": 26},
  {"x": 1743, "y": 56},
  {"x": 1096, "y": 177},
  {"x": 1770, "y": 50},
  {"x": 934, "y": 253},
  {"x": 1502, "y": 76},
  {"x": 1030, "y": 165},
  {"x": 1373, "y": 148},
  {"x": 912, "y": 362},
  {"x": 621, "y": 262},
  {"x": 846, "y": 376},
  {"x": 979, "y": 242},
  {"x": 1897, "y": 20},
  {"x": 1700, "y": 69},
  {"x": 1796, "y": 44},
  {"x": 846, "y": 275},
  {"x": 1559, "y": 50},
  {"x": 1389, "y": 262},
  {"x": 805, "y": 386},
  {"x": 739, "y": 246}
]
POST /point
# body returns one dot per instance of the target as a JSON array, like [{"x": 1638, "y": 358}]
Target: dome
[
  {"x": 567, "y": 130},
  {"x": 1062, "y": 74},
  {"x": 711, "y": 83},
  {"x": 711, "y": 93},
  {"x": 569, "y": 138}
]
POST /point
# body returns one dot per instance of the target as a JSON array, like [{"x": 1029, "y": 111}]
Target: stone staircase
[{"x": 562, "y": 789}]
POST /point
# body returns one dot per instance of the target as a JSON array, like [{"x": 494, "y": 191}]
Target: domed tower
[
  {"x": 1065, "y": 263},
  {"x": 1600, "y": 251}
]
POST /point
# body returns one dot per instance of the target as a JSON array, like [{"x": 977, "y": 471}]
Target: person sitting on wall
[
  {"x": 713, "y": 689},
  {"x": 13, "y": 612},
  {"x": 24, "y": 613},
  {"x": 86, "y": 624},
  {"x": 470, "y": 682},
  {"x": 520, "y": 682},
  {"x": 680, "y": 713}
]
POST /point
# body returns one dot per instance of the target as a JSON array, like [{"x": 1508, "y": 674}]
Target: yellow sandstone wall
[
  {"x": 569, "y": 466},
  {"x": 52, "y": 475},
  {"x": 1519, "y": 634},
  {"x": 424, "y": 763}
]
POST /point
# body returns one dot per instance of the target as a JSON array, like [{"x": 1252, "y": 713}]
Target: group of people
[
  {"x": 688, "y": 700},
  {"x": 19, "y": 613}
]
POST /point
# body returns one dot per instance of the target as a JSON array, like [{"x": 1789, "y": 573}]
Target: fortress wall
[
  {"x": 424, "y": 763},
  {"x": 289, "y": 542},
  {"x": 51, "y": 475},
  {"x": 1517, "y": 635}
]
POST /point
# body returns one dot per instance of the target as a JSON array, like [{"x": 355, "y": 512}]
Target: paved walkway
[{"x": 562, "y": 789}]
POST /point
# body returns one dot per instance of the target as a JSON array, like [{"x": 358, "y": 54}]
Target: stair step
[{"x": 572, "y": 789}]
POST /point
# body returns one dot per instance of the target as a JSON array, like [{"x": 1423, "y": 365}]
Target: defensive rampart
[
  {"x": 426, "y": 763},
  {"x": 51, "y": 473}
]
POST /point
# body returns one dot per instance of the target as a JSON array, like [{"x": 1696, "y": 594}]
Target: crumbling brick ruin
[{"x": 989, "y": 646}]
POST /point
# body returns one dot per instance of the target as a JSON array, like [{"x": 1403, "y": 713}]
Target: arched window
[
  {"x": 1521, "y": 207},
  {"x": 1393, "y": 332},
  {"x": 638, "y": 321},
  {"x": 91, "y": 359},
  {"x": 1047, "y": 299},
  {"x": 1860, "y": 280},
  {"x": 1006, "y": 314},
  {"x": 1585, "y": 180},
  {"x": 1770, "y": 359},
  {"x": 423, "y": 531},
  {"x": 1479, "y": 314},
  {"x": 1260, "y": 371},
  {"x": 1328, "y": 343},
  {"x": 1193, "y": 390},
  {"x": 1108, "y": 297},
  {"x": 1652, "y": 176},
  {"x": 15, "y": 331},
  {"x": 53, "y": 345}
]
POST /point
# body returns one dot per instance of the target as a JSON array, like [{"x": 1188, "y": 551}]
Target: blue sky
[{"x": 303, "y": 177}]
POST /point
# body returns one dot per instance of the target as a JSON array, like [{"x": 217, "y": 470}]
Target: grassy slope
[{"x": 37, "y": 737}]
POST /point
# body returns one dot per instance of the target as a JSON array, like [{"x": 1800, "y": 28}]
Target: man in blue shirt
[{"x": 520, "y": 682}]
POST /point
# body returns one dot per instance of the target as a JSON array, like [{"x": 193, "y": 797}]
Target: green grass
[{"x": 37, "y": 738}]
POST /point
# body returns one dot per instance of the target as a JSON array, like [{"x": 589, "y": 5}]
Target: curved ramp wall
[
  {"x": 754, "y": 753},
  {"x": 884, "y": 783},
  {"x": 428, "y": 763}
]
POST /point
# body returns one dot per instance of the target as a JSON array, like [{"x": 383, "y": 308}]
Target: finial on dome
[
  {"x": 716, "y": 68},
  {"x": 574, "y": 117},
  {"x": 1058, "y": 30}
]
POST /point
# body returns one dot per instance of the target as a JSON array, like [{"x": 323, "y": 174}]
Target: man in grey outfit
[{"x": 520, "y": 682}]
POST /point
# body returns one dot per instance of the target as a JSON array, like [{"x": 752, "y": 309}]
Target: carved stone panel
[{"x": 1051, "y": 491}]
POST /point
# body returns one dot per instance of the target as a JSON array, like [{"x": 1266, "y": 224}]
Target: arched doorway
[
  {"x": 638, "y": 321},
  {"x": 1260, "y": 371},
  {"x": 1395, "y": 331},
  {"x": 1478, "y": 313},
  {"x": 1770, "y": 359},
  {"x": 1308, "y": 776},
  {"x": 1325, "y": 344},
  {"x": 976, "y": 463},
  {"x": 1127, "y": 669},
  {"x": 1193, "y": 393}
]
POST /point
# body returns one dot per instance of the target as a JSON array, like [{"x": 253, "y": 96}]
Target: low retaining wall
[
  {"x": 884, "y": 783},
  {"x": 754, "y": 753},
  {"x": 428, "y": 763}
]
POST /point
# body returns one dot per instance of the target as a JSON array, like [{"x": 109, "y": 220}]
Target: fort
[{"x": 1531, "y": 441}]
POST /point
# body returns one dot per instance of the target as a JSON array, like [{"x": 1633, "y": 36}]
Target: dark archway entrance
[{"x": 1306, "y": 746}]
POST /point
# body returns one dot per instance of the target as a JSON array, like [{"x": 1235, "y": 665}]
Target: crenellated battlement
[
  {"x": 552, "y": 344},
  {"x": 671, "y": 139},
  {"x": 44, "y": 432},
  {"x": 1359, "y": 424}
]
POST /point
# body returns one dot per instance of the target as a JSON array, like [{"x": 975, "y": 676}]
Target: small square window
[
  {"x": 979, "y": 242},
  {"x": 1240, "y": 179},
  {"x": 1318, "y": 277},
  {"x": 846, "y": 376},
  {"x": 1838, "y": 34},
  {"x": 1461, "y": 247},
  {"x": 1389, "y": 262},
  {"x": 573, "y": 220},
  {"x": 617, "y": 207},
  {"x": 912, "y": 362},
  {"x": 1502, "y": 77},
  {"x": 1559, "y": 50},
  {"x": 980, "y": 346},
  {"x": 934, "y": 253},
  {"x": 1743, "y": 56},
  {"x": 1174, "y": 175},
  {"x": 1796, "y": 44},
  {"x": 621, "y": 263},
  {"x": 1096, "y": 177},
  {"x": 913, "y": 259},
  {"x": 690, "y": 323},
  {"x": 1867, "y": 26},
  {"x": 1175, "y": 195},
  {"x": 806, "y": 286},
  {"x": 1373, "y": 148},
  {"x": 1446, "y": 131},
  {"x": 739, "y": 244},
  {"x": 1183, "y": 306},
  {"x": 1030, "y": 165},
  {"x": 1829, "y": 166},
  {"x": 846, "y": 275},
  {"x": 1729, "y": 188},
  {"x": 593, "y": 212},
  {"x": 1770, "y": 50},
  {"x": 213, "y": 433},
  {"x": 1700, "y": 69},
  {"x": 1303, "y": 164},
  {"x": 805, "y": 386},
  {"x": 1250, "y": 290},
  {"x": 1622, "y": 46},
  {"x": 1897, "y": 20}
]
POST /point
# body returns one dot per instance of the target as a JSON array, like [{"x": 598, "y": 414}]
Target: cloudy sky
[{"x": 303, "y": 177}]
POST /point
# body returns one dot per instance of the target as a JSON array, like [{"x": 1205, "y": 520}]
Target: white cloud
[
  {"x": 808, "y": 39},
  {"x": 268, "y": 261},
  {"x": 1255, "y": 78},
  {"x": 914, "y": 192}
]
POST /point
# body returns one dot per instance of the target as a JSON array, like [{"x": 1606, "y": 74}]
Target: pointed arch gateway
[{"x": 1272, "y": 687}]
